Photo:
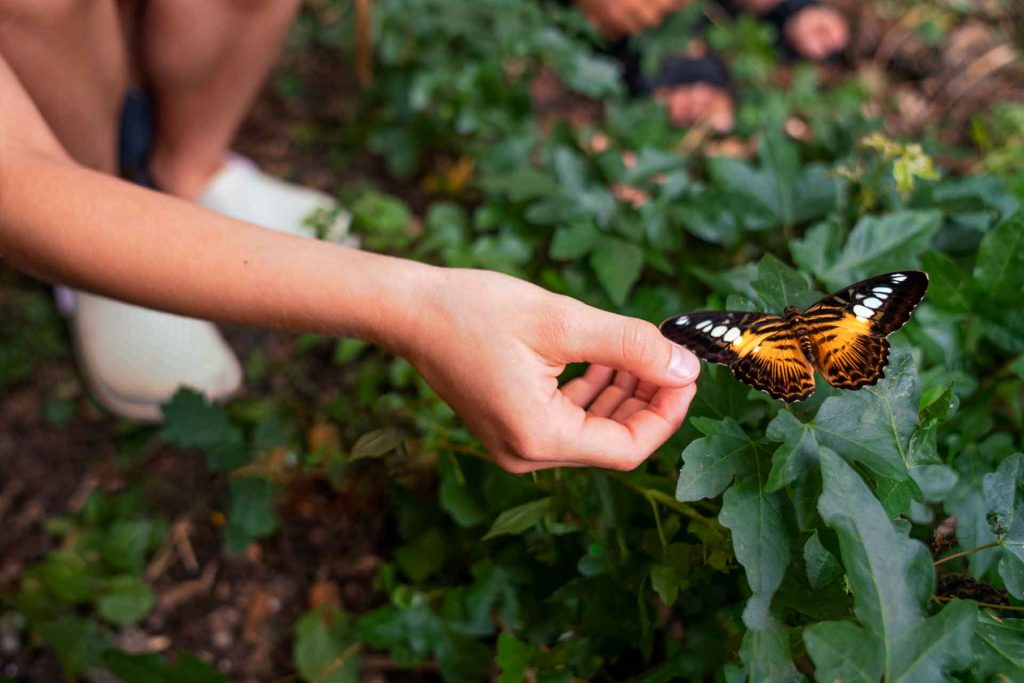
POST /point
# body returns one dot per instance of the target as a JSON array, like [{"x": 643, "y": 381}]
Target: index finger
[{"x": 608, "y": 443}]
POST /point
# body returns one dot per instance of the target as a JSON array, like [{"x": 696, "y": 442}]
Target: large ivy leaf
[
  {"x": 1004, "y": 493},
  {"x": 998, "y": 649},
  {"x": 765, "y": 654},
  {"x": 967, "y": 502},
  {"x": 759, "y": 540},
  {"x": 880, "y": 244},
  {"x": 940, "y": 643},
  {"x": 874, "y": 425},
  {"x": 842, "y": 651},
  {"x": 711, "y": 462},
  {"x": 891, "y": 578},
  {"x": 799, "y": 449}
]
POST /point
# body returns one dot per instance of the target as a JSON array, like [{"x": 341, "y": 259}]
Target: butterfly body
[{"x": 843, "y": 337}]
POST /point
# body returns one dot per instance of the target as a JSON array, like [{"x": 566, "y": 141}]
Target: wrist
[{"x": 403, "y": 301}]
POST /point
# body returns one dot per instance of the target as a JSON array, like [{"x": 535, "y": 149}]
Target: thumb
[{"x": 632, "y": 345}]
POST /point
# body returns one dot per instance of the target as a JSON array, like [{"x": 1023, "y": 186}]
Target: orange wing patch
[
  {"x": 848, "y": 356},
  {"x": 774, "y": 364}
]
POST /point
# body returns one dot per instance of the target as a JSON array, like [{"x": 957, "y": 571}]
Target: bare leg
[
  {"x": 71, "y": 58},
  {"x": 205, "y": 62}
]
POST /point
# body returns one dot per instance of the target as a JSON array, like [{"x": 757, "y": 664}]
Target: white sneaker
[
  {"x": 134, "y": 359},
  {"x": 241, "y": 190}
]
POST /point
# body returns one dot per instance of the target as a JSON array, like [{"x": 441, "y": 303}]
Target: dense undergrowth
[{"x": 859, "y": 536}]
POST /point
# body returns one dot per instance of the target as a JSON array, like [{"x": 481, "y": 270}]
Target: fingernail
[{"x": 684, "y": 365}]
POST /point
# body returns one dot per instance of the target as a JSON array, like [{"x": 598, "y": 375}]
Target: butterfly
[{"x": 843, "y": 336}]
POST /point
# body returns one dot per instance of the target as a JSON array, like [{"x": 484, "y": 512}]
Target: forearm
[{"x": 69, "y": 225}]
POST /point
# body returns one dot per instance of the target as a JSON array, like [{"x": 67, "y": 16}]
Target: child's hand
[
  {"x": 619, "y": 18},
  {"x": 493, "y": 347}
]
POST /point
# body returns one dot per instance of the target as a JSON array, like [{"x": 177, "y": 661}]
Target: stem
[
  {"x": 989, "y": 605},
  {"x": 969, "y": 551},
  {"x": 657, "y": 520}
]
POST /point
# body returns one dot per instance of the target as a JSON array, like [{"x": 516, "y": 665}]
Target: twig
[
  {"x": 969, "y": 551},
  {"x": 989, "y": 605}
]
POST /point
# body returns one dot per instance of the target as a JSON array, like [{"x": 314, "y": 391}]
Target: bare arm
[{"x": 491, "y": 345}]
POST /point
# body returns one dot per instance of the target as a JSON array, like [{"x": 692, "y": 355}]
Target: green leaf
[
  {"x": 573, "y": 241},
  {"x": 759, "y": 540},
  {"x": 891, "y": 577},
  {"x": 998, "y": 648},
  {"x": 1004, "y": 493},
  {"x": 127, "y": 542},
  {"x": 845, "y": 652},
  {"x": 192, "y": 422},
  {"x": 798, "y": 452},
  {"x": 790, "y": 193},
  {"x": 821, "y": 566},
  {"x": 949, "y": 286},
  {"x": 521, "y": 184},
  {"x": 779, "y": 286},
  {"x": 665, "y": 582},
  {"x": 939, "y": 644},
  {"x": 79, "y": 643},
  {"x": 375, "y": 444},
  {"x": 325, "y": 649},
  {"x": 251, "y": 512},
  {"x": 888, "y": 573},
  {"x": 520, "y": 518},
  {"x": 512, "y": 658},
  {"x": 819, "y": 246},
  {"x": 617, "y": 264},
  {"x": 69, "y": 577},
  {"x": 874, "y": 424},
  {"x": 127, "y": 601},
  {"x": 150, "y": 668},
  {"x": 877, "y": 245},
  {"x": 999, "y": 270},
  {"x": 765, "y": 654},
  {"x": 423, "y": 557},
  {"x": 711, "y": 462}
]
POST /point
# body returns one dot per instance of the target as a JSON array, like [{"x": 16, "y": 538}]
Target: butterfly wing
[
  {"x": 849, "y": 327},
  {"x": 761, "y": 350}
]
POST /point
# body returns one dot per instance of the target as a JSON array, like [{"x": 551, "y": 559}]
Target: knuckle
[{"x": 638, "y": 343}]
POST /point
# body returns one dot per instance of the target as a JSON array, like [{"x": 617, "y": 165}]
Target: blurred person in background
[{"x": 693, "y": 84}]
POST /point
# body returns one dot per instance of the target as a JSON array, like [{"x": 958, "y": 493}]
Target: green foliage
[
  {"x": 325, "y": 651},
  {"x": 792, "y": 544},
  {"x": 30, "y": 333},
  {"x": 79, "y": 594}
]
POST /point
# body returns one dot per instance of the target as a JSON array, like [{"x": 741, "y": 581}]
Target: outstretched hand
[{"x": 493, "y": 347}]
